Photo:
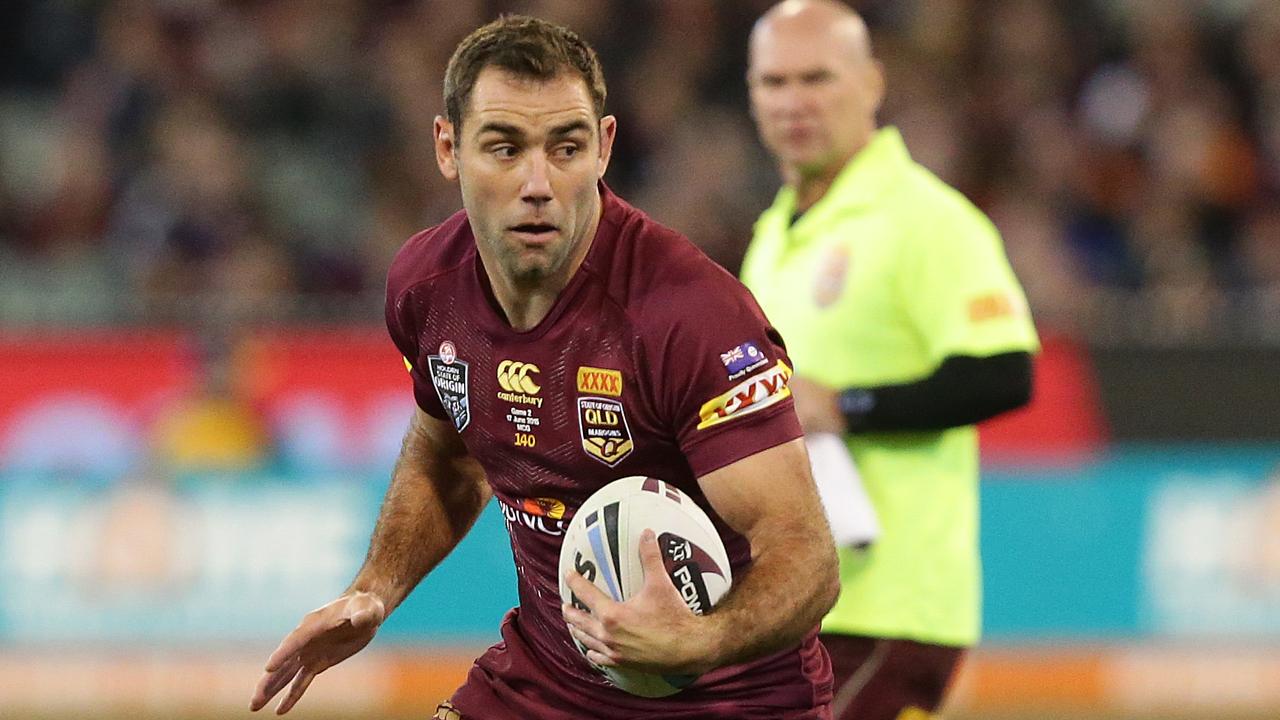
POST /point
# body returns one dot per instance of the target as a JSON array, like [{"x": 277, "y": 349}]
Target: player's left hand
[
  {"x": 325, "y": 637},
  {"x": 817, "y": 406},
  {"x": 652, "y": 631}
]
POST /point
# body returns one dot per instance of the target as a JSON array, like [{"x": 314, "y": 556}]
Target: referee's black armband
[{"x": 962, "y": 391}]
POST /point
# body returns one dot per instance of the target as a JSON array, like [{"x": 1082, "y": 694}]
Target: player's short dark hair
[{"x": 526, "y": 47}]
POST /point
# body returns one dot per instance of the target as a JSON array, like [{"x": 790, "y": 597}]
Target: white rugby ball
[{"x": 602, "y": 544}]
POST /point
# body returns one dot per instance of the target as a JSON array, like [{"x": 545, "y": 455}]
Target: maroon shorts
[
  {"x": 883, "y": 679},
  {"x": 446, "y": 711},
  {"x": 514, "y": 681}
]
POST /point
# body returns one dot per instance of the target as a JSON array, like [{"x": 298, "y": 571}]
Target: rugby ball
[{"x": 602, "y": 543}]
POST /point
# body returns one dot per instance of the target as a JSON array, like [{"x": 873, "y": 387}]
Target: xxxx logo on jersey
[
  {"x": 519, "y": 384},
  {"x": 755, "y": 393},
  {"x": 599, "y": 381}
]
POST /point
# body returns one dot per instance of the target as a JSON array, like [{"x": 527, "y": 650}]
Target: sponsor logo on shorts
[
  {"x": 446, "y": 711},
  {"x": 543, "y": 515},
  {"x": 518, "y": 381},
  {"x": 753, "y": 394},
  {"x": 599, "y": 381},
  {"x": 449, "y": 376},
  {"x": 605, "y": 435},
  {"x": 743, "y": 359}
]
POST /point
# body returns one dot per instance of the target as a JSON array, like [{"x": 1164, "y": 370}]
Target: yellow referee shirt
[{"x": 877, "y": 283}]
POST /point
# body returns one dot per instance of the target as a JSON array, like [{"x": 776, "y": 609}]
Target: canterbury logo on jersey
[
  {"x": 517, "y": 377},
  {"x": 755, "y": 393}
]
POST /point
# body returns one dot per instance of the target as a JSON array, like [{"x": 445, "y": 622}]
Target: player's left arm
[
  {"x": 770, "y": 499},
  {"x": 793, "y": 580}
]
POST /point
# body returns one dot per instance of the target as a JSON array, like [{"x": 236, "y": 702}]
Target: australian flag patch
[{"x": 742, "y": 359}]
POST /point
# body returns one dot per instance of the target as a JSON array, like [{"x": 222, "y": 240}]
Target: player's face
[
  {"x": 813, "y": 103},
  {"x": 528, "y": 159}
]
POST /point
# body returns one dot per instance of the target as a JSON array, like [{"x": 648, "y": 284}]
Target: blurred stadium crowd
[{"x": 263, "y": 159}]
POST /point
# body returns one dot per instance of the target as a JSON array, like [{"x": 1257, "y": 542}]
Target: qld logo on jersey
[
  {"x": 743, "y": 359},
  {"x": 605, "y": 435},
  {"x": 755, "y": 393},
  {"x": 449, "y": 376}
]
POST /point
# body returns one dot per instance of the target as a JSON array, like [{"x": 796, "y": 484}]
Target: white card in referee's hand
[{"x": 853, "y": 519}]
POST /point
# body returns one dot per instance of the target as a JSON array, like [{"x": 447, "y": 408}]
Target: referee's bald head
[
  {"x": 815, "y": 85},
  {"x": 836, "y": 25}
]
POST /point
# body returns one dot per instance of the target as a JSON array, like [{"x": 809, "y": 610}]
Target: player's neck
[
  {"x": 525, "y": 307},
  {"x": 525, "y": 304}
]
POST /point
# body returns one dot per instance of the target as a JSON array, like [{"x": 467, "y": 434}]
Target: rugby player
[{"x": 544, "y": 303}]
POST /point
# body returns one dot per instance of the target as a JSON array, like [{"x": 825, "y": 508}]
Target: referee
[{"x": 906, "y": 325}]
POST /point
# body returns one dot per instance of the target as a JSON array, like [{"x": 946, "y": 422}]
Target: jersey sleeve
[
  {"x": 720, "y": 374},
  {"x": 959, "y": 290},
  {"x": 403, "y": 328}
]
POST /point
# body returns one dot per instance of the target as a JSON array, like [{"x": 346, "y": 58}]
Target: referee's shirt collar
[{"x": 867, "y": 175}]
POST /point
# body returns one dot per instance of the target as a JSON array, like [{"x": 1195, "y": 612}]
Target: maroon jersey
[{"x": 653, "y": 361}]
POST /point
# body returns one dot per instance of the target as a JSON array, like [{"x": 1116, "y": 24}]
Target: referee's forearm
[{"x": 963, "y": 390}]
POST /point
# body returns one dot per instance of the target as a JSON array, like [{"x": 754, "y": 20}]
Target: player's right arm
[{"x": 437, "y": 491}]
